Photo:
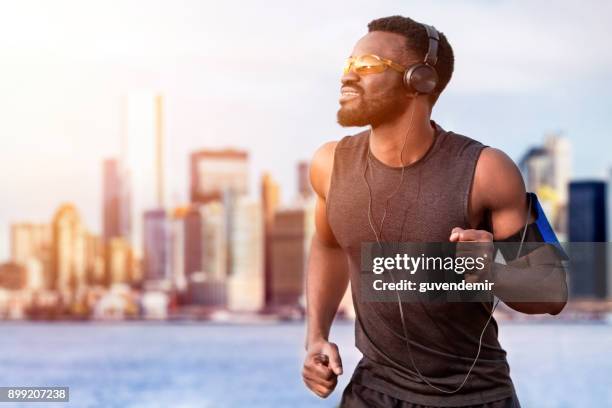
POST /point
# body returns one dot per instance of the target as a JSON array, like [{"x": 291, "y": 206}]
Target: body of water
[{"x": 209, "y": 365}]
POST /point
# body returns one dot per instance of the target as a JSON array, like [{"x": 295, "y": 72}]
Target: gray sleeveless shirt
[{"x": 432, "y": 200}]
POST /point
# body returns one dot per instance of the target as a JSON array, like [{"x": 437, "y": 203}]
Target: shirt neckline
[{"x": 437, "y": 136}]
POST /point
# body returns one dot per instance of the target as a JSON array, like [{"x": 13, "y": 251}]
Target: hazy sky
[{"x": 264, "y": 76}]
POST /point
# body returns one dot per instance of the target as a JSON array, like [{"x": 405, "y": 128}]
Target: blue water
[{"x": 207, "y": 365}]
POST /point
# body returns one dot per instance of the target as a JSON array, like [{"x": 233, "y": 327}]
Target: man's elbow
[
  {"x": 537, "y": 308},
  {"x": 554, "y": 308}
]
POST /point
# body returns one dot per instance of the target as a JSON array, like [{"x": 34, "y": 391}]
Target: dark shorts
[{"x": 358, "y": 396}]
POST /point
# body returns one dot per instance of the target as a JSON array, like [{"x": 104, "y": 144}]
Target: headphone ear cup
[{"x": 421, "y": 78}]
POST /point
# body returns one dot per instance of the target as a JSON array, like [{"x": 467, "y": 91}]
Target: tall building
[
  {"x": 119, "y": 261},
  {"x": 95, "y": 271},
  {"x": 304, "y": 187},
  {"x": 31, "y": 247},
  {"x": 214, "y": 240},
  {"x": 290, "y": 239},
  {"x": 609, "y": 232},
  {"x": 214, "y": 172},
  {"x": 13, "y": 276},
  {"x": 546, "y": 170},
  {"x": 587, "y": 233},
  {"x": 270, "y": 198},
  {"x": 208, "y": 287},
  {"x": 535, "y": 167},
  {"x": 115, "y": 205},
  {"x": 177, "y": 248},
  {"x": 156, "y": 241},
  {"x": 142, "y": 159},
  {"x": 69, "y": 254},
  {"x": 246, "y": 277},
  {"x": 193, "y": 241},
  {"x": 29, "y": 240},
  {"x": 561, "y": 166}
]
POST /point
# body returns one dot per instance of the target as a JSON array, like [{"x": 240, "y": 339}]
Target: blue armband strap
[{"x": 536, "y": 233}]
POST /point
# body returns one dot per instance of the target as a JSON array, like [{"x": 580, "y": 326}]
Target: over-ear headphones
[{"x": 422, "y": 77}]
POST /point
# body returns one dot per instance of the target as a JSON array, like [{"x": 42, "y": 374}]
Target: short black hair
[{"x": 418, "y": 43}]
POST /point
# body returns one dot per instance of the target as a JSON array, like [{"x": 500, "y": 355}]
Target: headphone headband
[
  {"x": 422, "y": 77},
  {"x": 431, "y": 58}
]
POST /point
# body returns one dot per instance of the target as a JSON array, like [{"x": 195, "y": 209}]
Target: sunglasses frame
[{"x": 350, "y": 61}]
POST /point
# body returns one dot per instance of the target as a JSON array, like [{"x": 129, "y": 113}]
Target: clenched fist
[
  {"x": 474, "y": 243},
  {"x": 322, "y": 366}
]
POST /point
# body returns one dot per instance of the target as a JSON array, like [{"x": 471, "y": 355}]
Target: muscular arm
[
  {"x": 326, "y": 282},
  {"x": 327, "y": 273},
  {"x": 499, "y": 190}
]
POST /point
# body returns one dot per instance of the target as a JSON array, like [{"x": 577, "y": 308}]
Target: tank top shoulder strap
[
  {"x": 464, "y": 153},
  {"x": 348, "y": 164},
  {"x": 349, "y": 156},
  {"x": 352, "y": 145}
]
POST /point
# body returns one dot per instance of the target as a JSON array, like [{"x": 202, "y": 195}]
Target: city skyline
[
  {"x": 66, "y": 77},
  {"x": 208, "y": 253},
  {"x": 222, "y": 245},
  {"x": 205, "y": 256}
]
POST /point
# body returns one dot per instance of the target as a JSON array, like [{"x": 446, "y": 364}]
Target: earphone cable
[{"x": 378, "y": 237}]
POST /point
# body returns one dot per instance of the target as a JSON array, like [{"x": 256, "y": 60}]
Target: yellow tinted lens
[
  {"x": 347, "y": 65},
  {"x": 368, "y": 64}
]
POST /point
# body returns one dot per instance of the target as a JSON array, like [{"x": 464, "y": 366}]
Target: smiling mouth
[{"x": 346, "y": 95}]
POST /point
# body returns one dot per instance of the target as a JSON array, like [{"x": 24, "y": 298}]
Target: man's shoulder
[
  {"x": 322, "y": 163},
  {"x": 461, "y": 144},
  {"x": 353, "y": 141},
  {"x": 495, "y": 160},
  {"x": 497, "y": 178},
  {"x": 323, "y": 157},
  {"x": 327, "y": 149}
]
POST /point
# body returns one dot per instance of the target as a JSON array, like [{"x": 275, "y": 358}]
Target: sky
[{"x": 264, "y": 76}]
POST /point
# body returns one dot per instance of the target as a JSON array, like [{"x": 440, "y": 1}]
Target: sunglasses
[{"x": 370, "y": 64}]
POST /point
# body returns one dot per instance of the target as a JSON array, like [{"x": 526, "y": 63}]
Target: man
[{"x": 408, "y": 180}]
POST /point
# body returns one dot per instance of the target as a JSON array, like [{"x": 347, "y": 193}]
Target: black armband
[{"x": 532, "y": 236}]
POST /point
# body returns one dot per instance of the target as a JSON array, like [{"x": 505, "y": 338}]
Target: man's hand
[
  {"x": 481, "y": 245},
  {"x": 322, "y": 366}
]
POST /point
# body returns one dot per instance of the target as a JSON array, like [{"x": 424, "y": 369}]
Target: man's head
[{"x": 371, "y": 99}]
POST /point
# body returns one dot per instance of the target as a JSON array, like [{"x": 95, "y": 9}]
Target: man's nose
[{"x": 349, "y": 78}]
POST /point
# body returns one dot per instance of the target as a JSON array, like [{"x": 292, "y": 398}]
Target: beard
[{"x": 372, "y": 110}]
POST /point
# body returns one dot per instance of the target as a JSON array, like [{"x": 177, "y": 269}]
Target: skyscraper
[
  {"x": 29, "y": 240},
  {"x": 304, "y": 187},
  {"x": 246, "y": 279},
  {"x": 69, "y": 262},
  {"x": 95, "y": 271},
  {"x": 13, "y": 276},
  {"x": 561, "y": 166},
  {"x": 31, "y": 247},
  {"x": 609, "y": 232},
  {"x": 208, "y": 287},
  {"x": 535, "y": 167},
  {"x": 270, "y": 198},
  {"x": 215, "y": 172},
  {"x": 156, "y": 246},
  {"x": 609, "y": 207},
  {"x": 546, "y": 170},
  {"x": 290, "y": 239},
  {"x": 587, "y": 232},
  {"x": 115, "y": 206},
  {"x": 143, "y": 159},
  {"x": 177, "y": 248},
  {"x": 193, "y": 241},
  {"x": 119, "y": 261},
  {"x": 214, "y": 241}
]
